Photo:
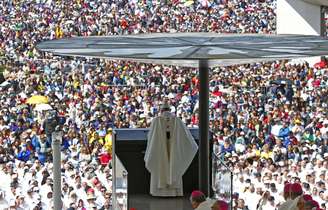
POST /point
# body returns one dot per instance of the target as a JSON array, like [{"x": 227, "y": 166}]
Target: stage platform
[
  {"x": 147, "y": 202},
  {"x": 130, "y": 147}
]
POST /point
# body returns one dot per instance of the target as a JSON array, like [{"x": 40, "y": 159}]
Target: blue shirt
[{"x": 24, "y": 155}]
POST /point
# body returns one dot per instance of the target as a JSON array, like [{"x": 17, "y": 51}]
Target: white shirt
[
  {"x": 4, "y": 185},
  {"x": 251, "y": 200},
  {"x": 206, "y": 205},
  {"x": 268, "y": 206},
  {"x": 3, "y": 204}
]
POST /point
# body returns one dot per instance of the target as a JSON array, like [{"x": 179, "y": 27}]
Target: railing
[
  {"x": 222, "y": 179},
  {"x": 119, "y": 181}
]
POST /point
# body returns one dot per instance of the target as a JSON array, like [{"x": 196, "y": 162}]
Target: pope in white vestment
[{"x": 170, "y": 150}]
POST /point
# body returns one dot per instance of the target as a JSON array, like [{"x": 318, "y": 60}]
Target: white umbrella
[{"x": 42, "y": 107}]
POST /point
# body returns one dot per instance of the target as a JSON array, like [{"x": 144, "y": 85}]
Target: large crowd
[
  {"x": 269, "y": 119},
  {"x": 270, "y": 127}
]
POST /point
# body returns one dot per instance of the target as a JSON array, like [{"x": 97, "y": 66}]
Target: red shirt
[{"x": 104, "y": 158}]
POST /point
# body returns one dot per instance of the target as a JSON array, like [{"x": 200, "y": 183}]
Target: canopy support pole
[
  {"x": 204, "y": 144},
  {"x": 56, "y": 156}
]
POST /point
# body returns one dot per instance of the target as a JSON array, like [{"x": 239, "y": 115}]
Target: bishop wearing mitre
[{"x": 170, "y": 150}]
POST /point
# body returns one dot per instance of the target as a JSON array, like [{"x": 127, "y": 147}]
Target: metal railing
[{"x": 222, "y": 180}]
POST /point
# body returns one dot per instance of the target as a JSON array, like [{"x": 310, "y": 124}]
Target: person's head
[
  {"x": 271, "y": 200},
  {"x": 241, "y": 203},
  {"x": 273, "y": 187},
  {"x": 296, "y": 190},
  {"x": 259, "y": 190},
  {"x": 310, "y": 205},
  {"x": 307, "y": 197},
  {"x": 220, "y": 205},
  {"x": 20, "y": 199},
  {"x": 300, "y": 203},
  {"x": 252, "y": 188},
  {"x": 196, "y": 198},
  {"x": 287, "y": 191},
  {"x": 80, "y": 203}
]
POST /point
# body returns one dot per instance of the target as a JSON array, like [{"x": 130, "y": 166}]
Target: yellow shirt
[
  {"x": 266, "y": 155},
  {"x": 108, "y": 142}
]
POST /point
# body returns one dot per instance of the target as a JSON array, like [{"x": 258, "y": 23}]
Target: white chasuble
[{"x": 170, "y": 150}]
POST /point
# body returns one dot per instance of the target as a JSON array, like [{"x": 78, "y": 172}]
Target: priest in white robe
[{"x": 170, "y": 150}]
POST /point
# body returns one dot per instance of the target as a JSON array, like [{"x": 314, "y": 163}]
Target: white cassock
[{"x": 167, "y": 159}]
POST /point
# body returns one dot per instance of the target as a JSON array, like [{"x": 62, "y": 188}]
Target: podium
[{"x": 130, "y": 147}]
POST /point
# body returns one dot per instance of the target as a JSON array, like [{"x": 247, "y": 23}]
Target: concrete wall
[{"x": 298, "y": 17}]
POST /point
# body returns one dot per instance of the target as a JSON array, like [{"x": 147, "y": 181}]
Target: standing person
[
  {"x": 291, "y": 192},
  {"x": 287, "y": 197},
  {"x": 170, "y": 150}
]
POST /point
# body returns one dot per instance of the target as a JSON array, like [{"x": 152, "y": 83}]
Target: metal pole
[
  {"x": 322, "y": 21},
  {"x": 114, "y": 203},
  {"x": 56, "y": 157},
  {"x": 231, "y": 186},
  {"x": 204, "y": 148}
]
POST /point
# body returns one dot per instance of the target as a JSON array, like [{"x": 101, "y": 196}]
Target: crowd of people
[
  {"x": 269, "y": 120},
  {"x": 271, "y": 128},
  {"x": 293, "y": 198}
]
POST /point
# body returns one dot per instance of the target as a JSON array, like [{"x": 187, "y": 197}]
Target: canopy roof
[
  {"x": 186, "y": 49},
  {"x": 318, "y": 2}
]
